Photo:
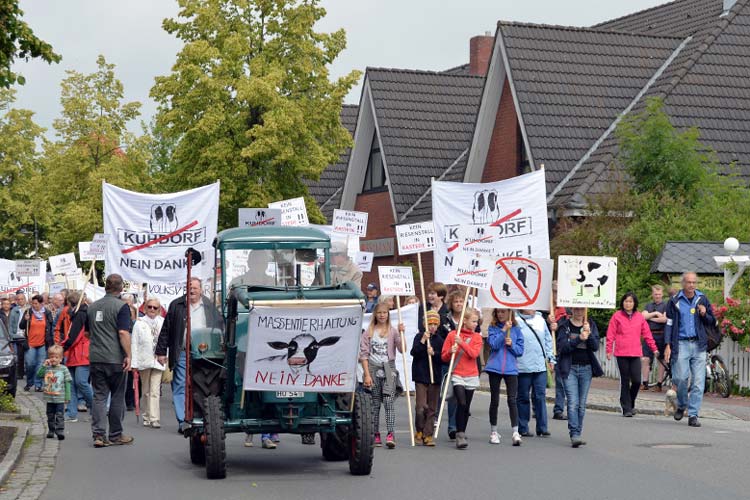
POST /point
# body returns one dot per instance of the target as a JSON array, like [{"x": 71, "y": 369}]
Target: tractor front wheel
[
  {"x": 215, "y": 449},
  {"x": 361, "y": 438}
]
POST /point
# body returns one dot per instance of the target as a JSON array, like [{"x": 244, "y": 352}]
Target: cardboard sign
[
  {"x": 415, "y": 238},
  {"x": 350, "y": 222},
  {"x": 396, "y": 280},
  {"x": 63, "y": 264},
  {"x": 27, "y": 267},
  {"x": 99, "y": 245},
  {"x": 520, "y": 283},
  {"x": 254, "y": 217},
  {"x": 364, "y": 261},
  {"x": 585, "y": 281},
  {"x": 293, "y": 211},
  {"x": 473, "y": 270},
  {"x": 478, "y": 239}
]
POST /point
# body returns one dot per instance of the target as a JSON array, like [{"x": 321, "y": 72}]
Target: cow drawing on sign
[
  {"x": 485, "y": 209},
  {"x": 301, "y": 351},
  {"x": 163, "y": 218},
  {"x": 522, "y": 276},
  {"x": 591, "y": 278}
]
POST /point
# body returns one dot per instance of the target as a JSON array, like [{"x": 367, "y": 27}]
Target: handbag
[{"x": 550, "y": 375}]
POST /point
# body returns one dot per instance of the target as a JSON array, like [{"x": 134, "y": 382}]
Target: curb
[
  {"x": 22, "y": 414},
  {"x": 14, "y": 452}
]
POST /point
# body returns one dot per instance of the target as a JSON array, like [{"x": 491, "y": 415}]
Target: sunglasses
[{"x": 152, "y": 308}]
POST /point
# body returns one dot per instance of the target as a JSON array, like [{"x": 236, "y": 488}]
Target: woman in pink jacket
[{"x": 626, "y": 328}]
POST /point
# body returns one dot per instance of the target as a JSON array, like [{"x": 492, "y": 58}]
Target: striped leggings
[{"x": 378, "y": 397}]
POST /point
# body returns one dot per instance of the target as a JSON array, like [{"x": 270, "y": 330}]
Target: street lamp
[
  {"x": 731, "y": 273},
  {"x": 36, "y": 237}
]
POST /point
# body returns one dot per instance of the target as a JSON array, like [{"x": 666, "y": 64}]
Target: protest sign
[
  {"x": 364, "y": 261},
  {"x": 254, "y": 217},
  {"x": 586, "y": 281},
  {"x": 312, "y": 349},
  {"x": 293, "y": 211},
  {"x": 472, "y": 270},
  {"x": 27, "y": 268},
  {"x": 396, "y": 280},
  {"x": 350, "y": 222},
  {"x": 415, "y": 238},
  {"x": 63, "y": 264},
  {"x": 519, "y": 283}
]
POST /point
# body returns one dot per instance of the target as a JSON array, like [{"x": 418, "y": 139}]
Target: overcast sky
[{"x": 412, "y": 34}]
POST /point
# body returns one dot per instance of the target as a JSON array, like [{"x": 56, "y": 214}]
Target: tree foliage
[
  {"x": 93, "y": 145},
  {"x": 656, "y": 205},
  {"x": 17, "y": 41},
  {"x": 249, "y": 101}
]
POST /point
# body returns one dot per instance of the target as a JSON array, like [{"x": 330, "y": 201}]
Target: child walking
[
  {"x": 426, "y": 345},
  {"x": 56, "y": 381},
  {"x": 465, "y": 376},
  {"x": 377, "y": 354},
  {"x": 506, "y": 344}
]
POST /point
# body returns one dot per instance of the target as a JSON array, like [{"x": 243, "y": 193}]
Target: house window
[
  {"x": 523, "y": 158},
  {"x": 375, "y": 175}
]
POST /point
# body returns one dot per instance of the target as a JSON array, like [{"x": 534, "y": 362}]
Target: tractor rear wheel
[{"x": 215, "y": 449}]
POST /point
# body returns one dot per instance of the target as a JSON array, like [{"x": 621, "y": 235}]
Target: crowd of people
[{"x": 92, "y": 350}]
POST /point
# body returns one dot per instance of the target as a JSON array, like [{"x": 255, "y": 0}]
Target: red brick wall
[
  {"x": 480, "y": 53},
  {"x": 379, "y": 225},
  {"x": 503, "y": 156}
]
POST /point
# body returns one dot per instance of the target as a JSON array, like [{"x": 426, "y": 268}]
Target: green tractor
[{"x": 274, "y": 291}]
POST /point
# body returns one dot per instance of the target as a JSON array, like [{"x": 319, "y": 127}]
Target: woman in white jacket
[{"x": 143, "y": 344}]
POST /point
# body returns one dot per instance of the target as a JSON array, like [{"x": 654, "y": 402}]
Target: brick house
[{"x": 552, "y": 96}]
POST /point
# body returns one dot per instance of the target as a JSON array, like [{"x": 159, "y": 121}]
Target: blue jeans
[
  {"x": 178, "y": 388},
  {"x": 689, "y": 366},
  {"x": 538, "y": 383},
  {"x": 451, "y": 404},
  {"x": 577, "y": 391},
  {"x": 559, "y": 393},
  {"x": 80, "y": 388},
  {"x": 32, "y": 360}
]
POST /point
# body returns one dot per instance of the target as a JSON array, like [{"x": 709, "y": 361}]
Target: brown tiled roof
[
  {"x": 327, "y": 190},
  {"x": 706, "y": 87},
  {"x": 698, "y": 256},
  {"x": 426, "y": 120},
  {"x": 680, "y": 18}
]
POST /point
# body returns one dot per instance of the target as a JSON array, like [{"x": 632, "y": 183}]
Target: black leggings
[
  {"x": 511, "y": 385},
  {"x": 630, "y": 380},
  {"x": 463, "y": 405}
]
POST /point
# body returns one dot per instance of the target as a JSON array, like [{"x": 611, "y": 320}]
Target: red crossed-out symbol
[
  {"x": 494, "y": 224},
  {"x": 161, "y": 238},
  {"x": 529, "y": 299}
]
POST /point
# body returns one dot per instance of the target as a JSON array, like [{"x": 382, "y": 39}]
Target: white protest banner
[
  {"x": 311, "y": 349},
  {"x": 11, "y": 282},
  {"x": 350, "y": 222},
  {"x": 99, "y": 245},
  {"x": 147, "y": 242},
  {"x": 415, "y": 238},
  {"x": 27, "y": 268},
  {"x": 63, "y": 263},
  {"x": 472, "y": 270},
  {"x": 254, "y": 217},
  {"x": 516, "y": 206},
  {"x": 293, "y": 211},
  {"x": 585, "y": 281},
  {"x": 520, "y": 283},
  {"x": 84, "y": 252},
  {"x": 396, "y": 280},
  {"x": 477, "y": 239},
  {"x": 409, "y": 315},
  {"x": 364, "y": 261}
]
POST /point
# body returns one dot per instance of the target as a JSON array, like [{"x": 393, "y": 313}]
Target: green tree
[
  {"x": 19, "y": 162},
  {"x": 93, "y": 145},
  {"x": 17, "y": 41},
  {"x": 249, "y": 101},
  {"x": 643, "y": 211}
]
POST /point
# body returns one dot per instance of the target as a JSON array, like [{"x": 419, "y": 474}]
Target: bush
[{"x": 7, "y": 401}]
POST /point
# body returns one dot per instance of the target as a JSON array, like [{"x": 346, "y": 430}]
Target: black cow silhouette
[
  {"x": 163, "y": 218},
  {"x": 301, "y": 350},
  {"x": 486, "y": 209}
]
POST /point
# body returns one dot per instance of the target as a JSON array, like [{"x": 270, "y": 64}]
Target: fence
[{"x": 737, "y": 361}]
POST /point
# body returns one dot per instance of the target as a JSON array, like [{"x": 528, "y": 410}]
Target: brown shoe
[
  {"x": 123, "y": 439},
  {"x": 100, "y": 442},
  {"x": 428, "y": 441}
]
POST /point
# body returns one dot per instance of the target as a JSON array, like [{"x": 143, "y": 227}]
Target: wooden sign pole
[
  {"x": 406, "y": 372},
  {"x": 424, "y": 311}
]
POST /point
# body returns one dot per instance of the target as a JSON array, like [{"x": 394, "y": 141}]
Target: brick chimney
[{"x": 480, "y": 52}]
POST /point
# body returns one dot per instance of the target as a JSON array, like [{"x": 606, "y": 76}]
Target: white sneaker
[
  {"x": 517, "y": 439},
  {"x": 248, "y": 440},
  {"x": 494, "y": 438},
  {"x": 268, "y": 444}
]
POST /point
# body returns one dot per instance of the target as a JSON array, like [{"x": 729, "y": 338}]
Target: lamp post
[
  {"x": 731, "y": 274},
  {"x": 36, "y": 238}
]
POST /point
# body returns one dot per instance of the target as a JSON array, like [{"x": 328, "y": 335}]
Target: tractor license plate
[{"x": 289, "y": 394}]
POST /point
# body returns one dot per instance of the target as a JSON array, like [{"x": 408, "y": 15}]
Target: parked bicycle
[{"x": 717, "y": 375}]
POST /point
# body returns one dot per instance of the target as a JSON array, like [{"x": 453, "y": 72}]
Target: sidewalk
[
  {"x": 604, "y": 395},
  {"x": 36, "y": 465}
]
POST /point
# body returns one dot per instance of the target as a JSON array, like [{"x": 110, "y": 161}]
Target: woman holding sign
[
  {"x": 626, "y": 328},
  {"x": 377, "y": 354},
  {"x": 532, "y": 372}
]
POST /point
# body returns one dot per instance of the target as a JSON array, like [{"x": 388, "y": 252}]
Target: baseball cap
[{"x": 372, "y": 286}]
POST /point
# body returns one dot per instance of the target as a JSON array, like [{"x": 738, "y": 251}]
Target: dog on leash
[{"x": 670, "y": 403}]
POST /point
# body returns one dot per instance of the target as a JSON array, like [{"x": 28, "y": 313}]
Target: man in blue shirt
[{"x": 686, "y": 342}]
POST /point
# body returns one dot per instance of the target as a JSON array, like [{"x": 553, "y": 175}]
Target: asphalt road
[{"x": 642, "y": 457}]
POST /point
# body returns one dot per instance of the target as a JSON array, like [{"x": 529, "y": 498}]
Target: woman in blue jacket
[
  {"x": 577, "y": 341},
  {"x": 506, "y": 344}
]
